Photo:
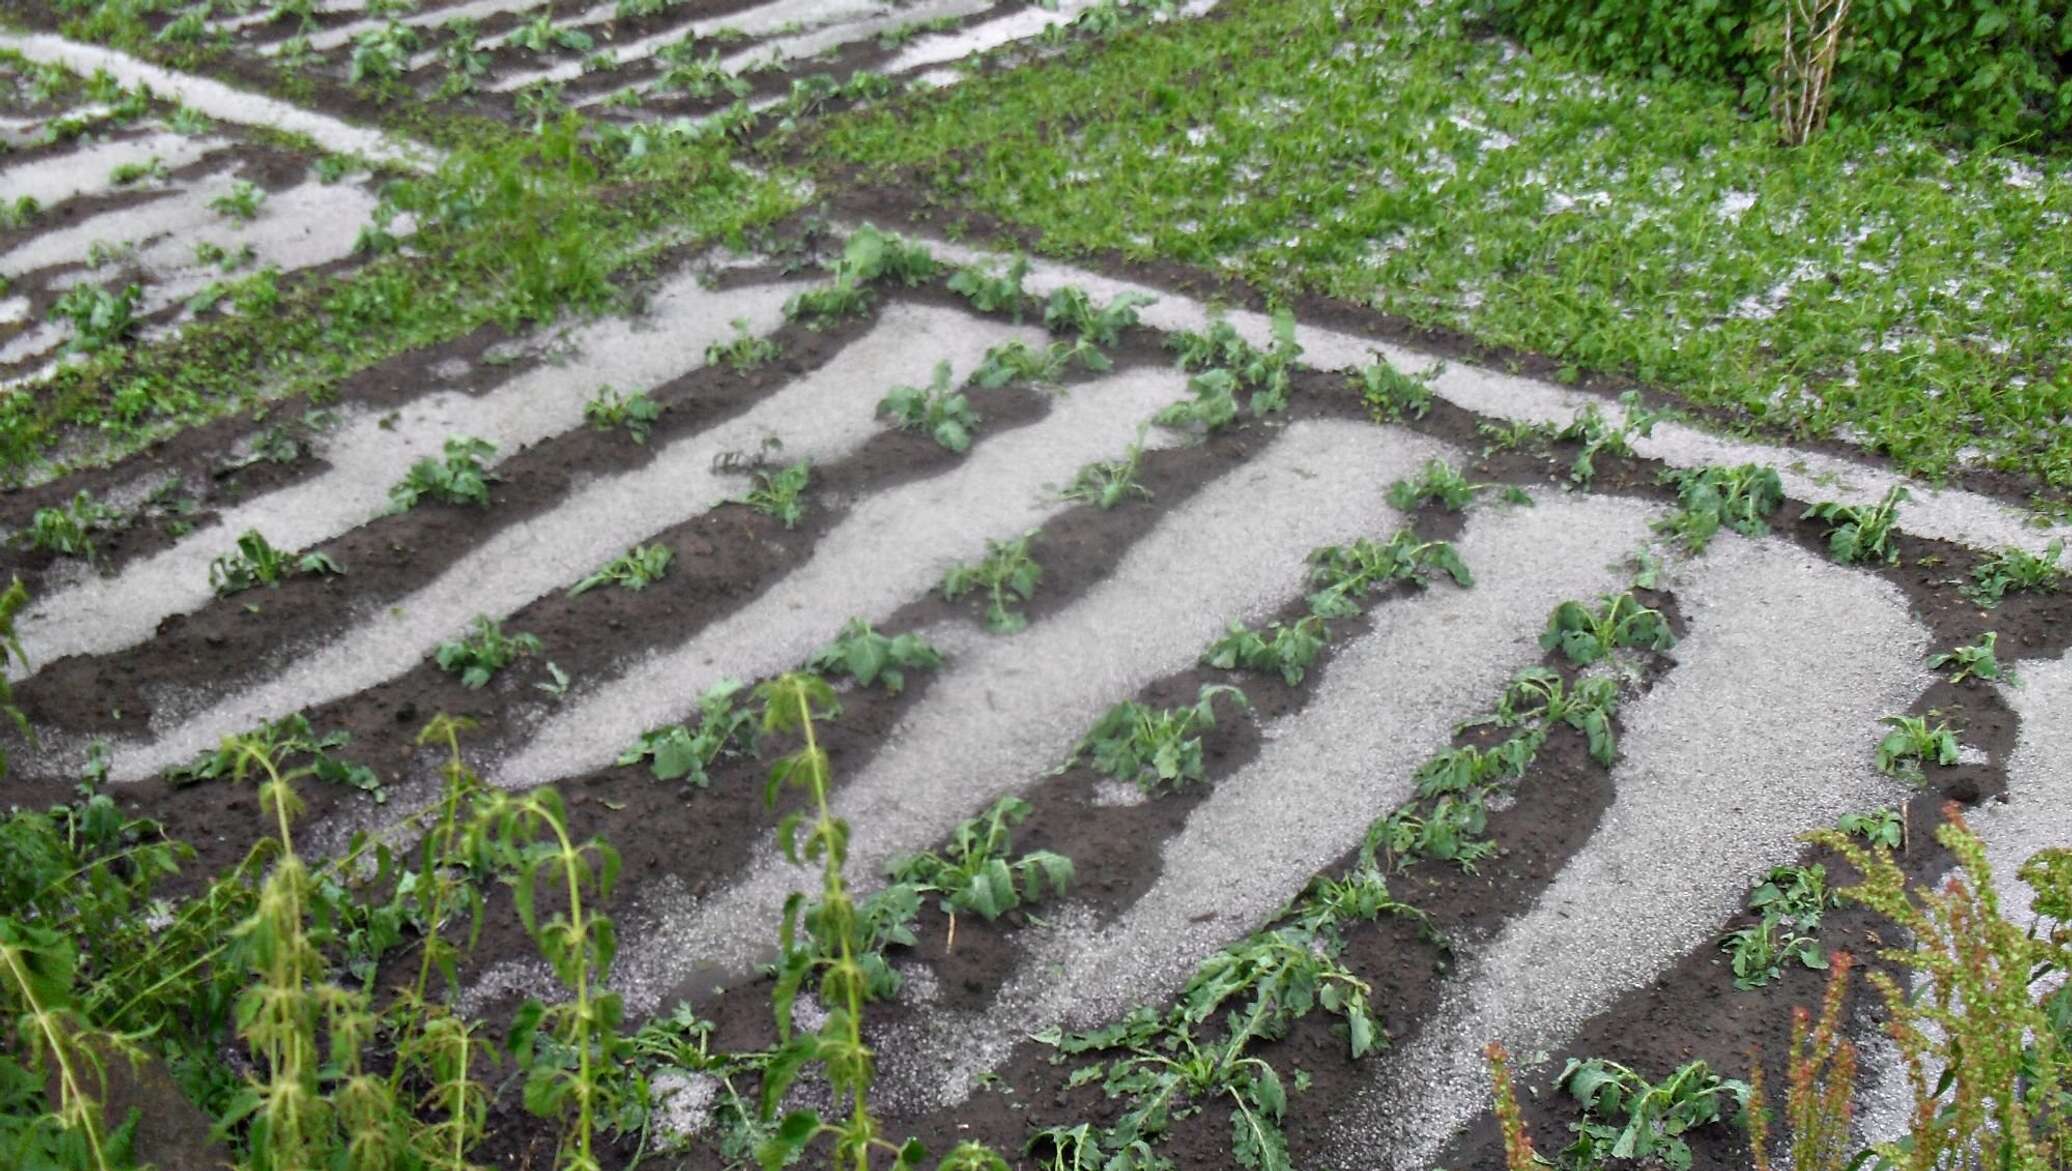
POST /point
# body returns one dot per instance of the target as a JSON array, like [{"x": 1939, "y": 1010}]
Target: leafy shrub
[{"x": 1996, "y": 67}]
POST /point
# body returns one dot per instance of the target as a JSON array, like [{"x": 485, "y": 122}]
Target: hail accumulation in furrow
[
  {"x": 1955, "y": 515},
  {"x": 1007, "y": 707},
  {"x": 2037, "y": 813},
  {"x": 1761, "y": 731},
  {"x": 305, "y": 226},
  {"x": 783, "y": 50},
  {"x": 889, "y": 549},
  {"x": 217, "y": 100},
  {"x": 323, "y": 41},
  {"x": 1384, "y": 704},
  {"x": 942, "y": 48},
  {"x": 87, "y": 170},
  {"x": 823, "y": 416},
  {"x": 756, "y": 21},
  {"x": 370, "y": 451},
  {"x": 181, "y": 212}
]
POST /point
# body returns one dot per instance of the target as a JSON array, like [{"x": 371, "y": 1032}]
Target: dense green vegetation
[{"x": 1874, "y": 285}]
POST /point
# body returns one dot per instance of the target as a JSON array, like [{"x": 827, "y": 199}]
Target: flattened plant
[
  {"x": 1860, "y": 533},
  {"x": 1345, "y": 573},
  {"x": 68, "y": 529},
  {"x": 100, "y": 316},
  {"x": 991, "y": 291},
  {"x": 2012, "y": 569},
  {"x": 635, "y": 569},
  {"x": 484, "y": 650},
  {"x": 976, "y": 872},
  {"x": 1441, "y": 483},
  {"x": 636, "y": 412},
  {"x": 1585, "y": 635},
  {"x": 1979, "y": 659},
  {"x": 1006, "y": 576},
  {"x": 1107, "y": 483},
  {"x": 12, "y": 661},
  {"x": 1392, "y": 395},
  {"x": 255, "y": 562},
  {"x": 460, "y": 477},
  {"x": 1016, "y": 361},
  {"x": 1739, "y": 499},
  {"x": 870, "y": 658},
  {"x": 1071, "y": 310},
  {"x": 1152, "y": 747},
  {"x": 940, "y": 411},
  {"x": 1282, "y": 649},
  {"x": 678, "y": 752},
  {"x": 780, "y": 494},
  {"x": 1625, "y": 1116}
]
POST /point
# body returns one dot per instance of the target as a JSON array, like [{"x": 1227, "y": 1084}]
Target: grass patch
[{"x": 1873, "y": 285}]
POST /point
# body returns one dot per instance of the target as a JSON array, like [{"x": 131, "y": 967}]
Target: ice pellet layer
[
  {"x": 1762, "y": 730},
  {"x": 1384, "y": 703},
  {"x": 821, "y": 416},
  {"x": 1948, "y": 514},
  {"x": 88, "y": 170},
  {"x": 367, "y": 452},
  {"x": 890, "y": 548},
  {"x": 1007, "y": 708}
]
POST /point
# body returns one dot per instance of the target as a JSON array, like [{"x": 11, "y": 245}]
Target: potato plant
[
  {"x": 1072, "y": 310},
  {"x": 12, "y": 599},
  {"x": 1107, "y": 483},
  {"x": 461, "y": 476},
  {"x": 483, "y": 651},
  {"x": 2012, "y": 569},
  {"x": 636, "y": 412},
  {"x": 1345, "y": 573},
  {"x": 1912, "y": 743},
  {"x": 1152, "y": 747},
  {"x": 975, "y": 871},
  {"x": 873, "y": 659},
  {"x": 1391, "y": 395},
  {"x": 990, "y": 291},
  {"x": 291, "y": 742},
  {"x": 1860, "y": 533},
  {"x": 679, "y": 753},
  {"x": 255, "y": 562},
  {"x": 1015, "y": 361},
  {"x": 1585, "y": 635},
  {"x": 635, "y": 569},
  {"x": 67, "y": 530},
  {"x": 1625, "y": 1116},
  {"x": 1739, "y": 499},
  {"x": 780, "y": 494},
  {"x": 939, "y": 411},
  {"x": 1977, "y": 660},
  {"x": 100, "y": 317},
  {"x": 1284, "y": 650},
  {"x": 1007, "y": 575}
]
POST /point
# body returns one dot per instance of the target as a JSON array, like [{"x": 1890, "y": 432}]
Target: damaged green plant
[
  {"x": 460, "y": 477},
  {"x": 255, "y": 562},
  {"x": 1861, "y": 532},
  {"x": 870, "y": 658},
  {"x": 635, "y": 569},
  {"x": 1007, "y": 575},
  {"x": 941, "y": 412},
  {"x": 1282, "y": 649},
  {"x": 485, "y": 649},
  {"x": 1587, "y": 636},
  {"x": 679, "y": 753},
  {"x": 1149, "y": 746},
  {"x": 1739, "y": 499},
  {"x": 1345, "y": 573},
  {"x": 975, "y": 871}
]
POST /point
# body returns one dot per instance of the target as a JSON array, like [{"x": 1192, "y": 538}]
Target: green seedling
[
  {"x": 461, "y": 477},
  {"x": 990, "y": 291},
  {"x": 288, "y": 740},
  {"x": 975, "y": 872},
  {"x": 1107, "y": 483},
  {"x": 698, "y": 77},
  {"x": 255, "y": 562},
  {"x": 1287, "y": 651},
  {"x": 19, "y": 214},
  {"x": 1978, "y": 659},
  {"x": 483, "y": 651},
  {"x": 1015, "y": 361},
  {"x": 943, "y": 413},
  {"x": 1709, "y": 499},
  {"x": 67, "y": 530},
  {"x": 871, "y": 255},
  {"x": 1212, "y": 407},
  {"x": 870, "y": 658},
  {"x": 1392, "y": 395},
  {"x": 125, "y": 174},
  {"x": 744, "y": 351},
  {"x": 382, "y": 55},
  {"x": 1588, "y": 636},
  {"x": 1627, "y": 1117},
  {"x": 1071, "y": 310},
  {"x": 1267, "y": 373},
  {"x": 1442, "y": 483},
  {"x": 240, "y": 203},
  {"x": 1450, "y": 830},
  {"x": 1007, "y": 574},
  {"x": 541, "y": 36},
  {"x": 1150, "y": 747},
  {"x": 778, "y": 494},
  {"x": 1861, "y": 533},
  {"x": 1912, "y": 743},
  {"x": 1517, "y": 435},
  {"x": 100, "y": 317},
  {"x": 1540, "y": 694},
  {"x": 635, "y": 569},
  {"x": 1799, "y": 894},
  {"x": 2016, "y": 569},
  {"x": 636, "y": 412},
  {"x": 1788, "y": 904},
  {"x": 676, "y": 752},
  {"x": 1346, "y": 572},
  {"x": 1881, "y": 827},
  {"x": 1472, "y": 771}
]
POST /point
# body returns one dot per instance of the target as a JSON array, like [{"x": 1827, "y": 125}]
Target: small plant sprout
[
  {"x": 744, "y": 351},
  {"x": 1107, "y": 483},
  {"x": 1392, "y": 395},
  {"x": 1266, "y": 373},
  {"x": 778, "y": 494},
  {"x": 678, "y": 752},
  {"x": 1149, "y": 746},
  {"x": 2016, "y": 569},
  {"x": 1859, "y": 533},
  {"x": 1788, "y": 904},
  {"x": 636, "y": 412},
  {"x": 67, "y": 530},
  {"x": 1587, "y": 636},
  {"x": 1287, "y": 651},
  {"x": 1912, "y": 743},
  {"x": 483, "y": 651},
  {"x": 1015, "y": 361},
  {"x": 240, "y": 203},
  {"x": 1539, "y": 694},
  {"x": 975, "y": 872},
  {"x": 1627, "y": 1117},
  {"x": 870, "y": 658},
  {"x": 1071, "y": 310},
  {"x": 1441, "y": 483},
  {"x": 461, "y": 477},
  {"x": 1346, "y": 572},
  {"x": 1007, "y": 575},
  {"x": 990, "y": 291},
  {"x": 943, "y": 413},
  {"x": 1977, "y": 659},
  {"x": 635, "y": 569},
  {"x": 1881, "y": 827},
  {"x": 100, "y": 317},
  {"x": 255, "y": 562},
  {"x": 1739, "y": 499}
]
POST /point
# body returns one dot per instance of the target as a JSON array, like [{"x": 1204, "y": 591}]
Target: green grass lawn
[{"x": 1876, "y": 285}]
